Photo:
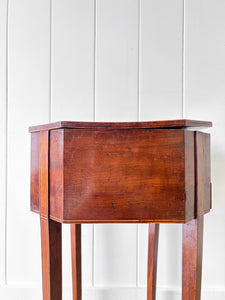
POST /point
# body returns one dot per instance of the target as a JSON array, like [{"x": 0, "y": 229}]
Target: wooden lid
[{"x": 179, "y": 124}]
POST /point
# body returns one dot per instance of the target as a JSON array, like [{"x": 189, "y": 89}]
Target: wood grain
[
  {"x": 121, "y": 175},
  {"x": 56, "y": 172},
  {"x": 112, "y": 173},
  {"x": 190, "y": 184},
  {"x": 100, "y": 176},
  {"x": 153, "y": 237},
  {"x": 50, "y": 231},
  {"x": 192, "y": 259},
  {"x": 51, "y": 245},
  {"x": 203, "y": 173},
  {"x": 123, "y": 125},
  {"x": 76, "y": 261},
  {"x": 44, "y": 174},
  {"x": 34, "y": 178}
]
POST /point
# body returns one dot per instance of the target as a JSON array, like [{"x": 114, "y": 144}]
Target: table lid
[{"x": 179, "y": 124}]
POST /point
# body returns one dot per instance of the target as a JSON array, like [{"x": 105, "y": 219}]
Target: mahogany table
[{"x": 139, "y": 172}]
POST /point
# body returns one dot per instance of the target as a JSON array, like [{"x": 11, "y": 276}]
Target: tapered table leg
[
  {"x": 76, "y": 260},
  {"x": 192, "y": 259},
  {"x": 51, "y": 259},
  {"x": 153, "y": 236}
]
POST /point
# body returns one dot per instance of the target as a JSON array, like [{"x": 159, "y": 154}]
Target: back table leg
[
  {"x": 76, "y": 260},
  {"x": 192, "y": 259},
  {"x": 153, "y": 236},
  {"x": 51, "y": 259}
]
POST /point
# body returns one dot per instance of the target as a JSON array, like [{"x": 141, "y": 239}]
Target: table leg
[
  {"x": 192, "y": 259},
  {"x": 51, "y": 241},
  {"x": 153, "y": 236},
  {"x": 76, "y": 260}
]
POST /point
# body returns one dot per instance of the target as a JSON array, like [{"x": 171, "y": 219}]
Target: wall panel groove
[
  {"x": 183, "y": 56},
  {"x": 94, "y": 60},
  {"x": 3, "y": 135},
  {"x": 50, "y": 60},
  {"x": 138, "y": 68}
]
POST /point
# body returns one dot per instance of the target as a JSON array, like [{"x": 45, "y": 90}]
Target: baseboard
[{"x": 125, "y": 293}]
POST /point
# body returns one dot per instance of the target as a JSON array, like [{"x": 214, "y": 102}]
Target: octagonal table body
[{"x": 139, "y": 172}]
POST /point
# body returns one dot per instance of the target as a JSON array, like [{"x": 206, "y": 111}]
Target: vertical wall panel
[
  {"x": 161, "y": 59},
  {"x": 205, "y": 99},
  {"x": 161, "y": 55},
  {"x": 116, "y": 100},
  {"x": 3, "y": 120},
  {"x": 115, "y": 255},
  {"x": 116, "y": 60},
  {"x": 72, "y": 59},
  {"x": 28, "y": 104},
  {"x": 72, "y": 94}
]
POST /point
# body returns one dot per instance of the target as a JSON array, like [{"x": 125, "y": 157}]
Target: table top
[{"x": 179, "y": 124}]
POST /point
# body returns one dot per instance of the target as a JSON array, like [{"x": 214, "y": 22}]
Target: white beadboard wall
[{"x": 107, "y": 60}]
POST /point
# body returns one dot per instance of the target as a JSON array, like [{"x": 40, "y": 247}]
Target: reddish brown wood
[
  {"x": 203, "y": 173},
  {"x": 34, "y": 184},
  {"x": 76, "y": 261},
  {"x": 123, "y": 125},
  {"x": 51, "y": 259},
  {"x": 122, "y": 175},
  {"x": 120, "y": 172},
  {"x": 99, "y": 176},
  {"x": 189, "y": 193},
  {"x": 153, "y": 236},
  {"x": 192, "y": 259},
  {"x": 56, "y": 179},
  {"x": 50, "y": 231},
  {"x": 43, "y": 175}
]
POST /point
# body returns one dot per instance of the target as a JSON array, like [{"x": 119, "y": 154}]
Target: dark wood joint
[
  {"x": 210, "y": 195},
  {"x": 44, "y": 175}
]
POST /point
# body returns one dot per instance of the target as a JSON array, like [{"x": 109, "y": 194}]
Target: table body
[{"x": 150, "y": 172}]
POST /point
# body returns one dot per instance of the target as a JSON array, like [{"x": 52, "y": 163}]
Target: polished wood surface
[
  {"x": 192, "y": 259},
  {"x": 203, "y": 173},
  {"x": 153, "y": 237},
  {"x": 147, "y": 172},
  {"x": 183, "y": 123},
  {"x": 112, "y": 173},
  {"x": 76, "y": 260},
  {"x": 56, "y": 170},
  {"x": 50, "y": 231},
  {"x": 51, "y": 250},
  {"x": 44, "y": 174},
  {"x": 35, "y": 162}
]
